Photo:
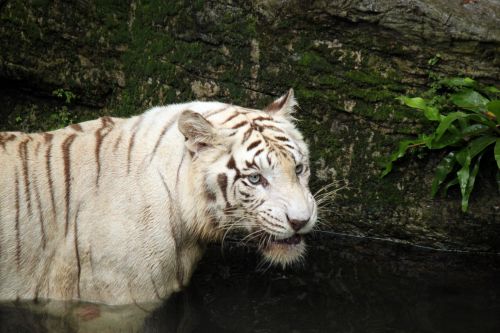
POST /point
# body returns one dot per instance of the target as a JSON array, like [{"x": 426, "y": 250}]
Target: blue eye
[
  {"x": 299, "y": 168},
  {"x": 254, "y": 178}
]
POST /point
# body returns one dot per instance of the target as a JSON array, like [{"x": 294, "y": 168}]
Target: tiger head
[{"x": 254, "y": 167}]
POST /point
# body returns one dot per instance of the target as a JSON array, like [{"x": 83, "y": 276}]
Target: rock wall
[{"x": 346, "y": 60}]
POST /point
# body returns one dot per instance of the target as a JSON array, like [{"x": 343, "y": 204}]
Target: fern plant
[{"x": 467, "y": 117}]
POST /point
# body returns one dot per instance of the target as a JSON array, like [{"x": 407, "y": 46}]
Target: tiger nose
[{"x": 296, "y": 224}]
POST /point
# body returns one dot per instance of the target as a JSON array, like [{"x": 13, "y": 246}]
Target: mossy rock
[{"x": 347, "y": 65}]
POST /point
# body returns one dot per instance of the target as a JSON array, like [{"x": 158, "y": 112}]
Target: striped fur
[{"x": 118, "y": 210}]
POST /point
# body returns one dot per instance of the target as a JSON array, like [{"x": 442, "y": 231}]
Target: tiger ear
[
  {"x": 199, "y": 133},
  {"x": 283, "y": 106}
]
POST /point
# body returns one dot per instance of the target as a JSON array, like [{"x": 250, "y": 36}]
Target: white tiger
[{"x": 119, "y": 211}]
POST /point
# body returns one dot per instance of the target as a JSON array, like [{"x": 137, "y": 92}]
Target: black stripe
[
  {"x": 281, "y": 138},
  {"x": 4, "y": 139},
  {"x": 65, "y": 147},
  {"x": 117, "y": 142},
  {"x": 253, "y": 145},
  {"x": 231, "y": 164},
  {"x": 257, "y": 153},
  {"x": 222, "y": 181},
  {"x": 37, "y": 149},
  {"x": 18, "y": 233},
  {"x": 48, "y": 140},
  {"x": 23, "y": 155},
  {"x": 91, "y": 261},
  {"x": 258, "y": 204},
  {"x": 213, "y": 113},
  {"x": 179, "y": 168},
  {"x": 245, "y": 194},
  {"x": 135, "y": 128},
  {"x": 173, "y": 230},
  {"x": 247, "y": 135},
  {"x": 163, "y": 132},
  {"x": 40, "y": 212},
  {"x": 274, "y": 128},
  {"x": 240, "y": 124},
  {"x": 245, "y": 183},
  {"x": 77, "y": 252},
  {"x": 236, "y": 114},
  {"x": 76, "y": 127},
  {"x": 262, "y": 118},
  {"x": 251, "y": 165},
  {"x": 99, "y": 137}
]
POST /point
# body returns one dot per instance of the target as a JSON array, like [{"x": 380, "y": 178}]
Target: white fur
[{"x": 138, "y": 216}]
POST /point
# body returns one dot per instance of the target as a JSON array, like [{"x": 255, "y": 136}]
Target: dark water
[{"x": 343, "y": 287}]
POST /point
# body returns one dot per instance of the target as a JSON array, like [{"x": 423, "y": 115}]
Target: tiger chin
[{"x": 119, "y": 211}]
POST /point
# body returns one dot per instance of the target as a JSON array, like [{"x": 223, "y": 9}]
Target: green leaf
[
  {"x": 430, "y": 112},
  {"x": 469, "y": 99},
  {"x": 497, "y": 153},
  {"x": 400, "y": 152},
  {"x": 494, "y": 107},
  {"x": 427, "y": 140},
  {"x": 458, "y": 82},
  {"x": 493, "y": 89},
  {"x": 463, "y": 157},
  {"x": 414, "y": 102},
  {"x": 447, "y": 121},
  {"x": 476, "y": 146},
  {"x": 448, "y": 139},
  {"x": 442, "y": 171},
  {"x": 469, "y": 180},
  {"x": 474, "y": 130},
  {"x": 482, "y": 118},
  {"x": 470, "y": 123},
  {"x": 463, "y": 179}
]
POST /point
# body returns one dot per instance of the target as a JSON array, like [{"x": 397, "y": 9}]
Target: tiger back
[{"x": 119, "y": 211}]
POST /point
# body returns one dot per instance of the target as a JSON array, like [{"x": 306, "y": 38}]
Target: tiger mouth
[
  {"x": 284, "y": 251},
  {"x": 293, "y": 240},
  {"x": 283, "y": 243}
]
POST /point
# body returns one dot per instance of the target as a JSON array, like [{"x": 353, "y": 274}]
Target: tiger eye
[
  {"x": 254, "y": 178},
  {"x": 299, "y": 168}
]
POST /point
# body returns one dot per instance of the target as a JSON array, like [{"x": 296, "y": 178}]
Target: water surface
[{"x": 343, "y": 286}]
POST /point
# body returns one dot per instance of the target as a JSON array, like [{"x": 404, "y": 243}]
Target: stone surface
[{"x": 346, "y": 60}]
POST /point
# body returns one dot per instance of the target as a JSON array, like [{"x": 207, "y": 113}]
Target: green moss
[
  {"x": 363, "y": 77},
  {"x": 315, "y": 97},
  {"x": 323, "y": 145},
  {"x": 376, "y": 94},
  {"x": 314, "y": 61},
  {"x": 40, "y": 3},
  {"x": 330, "y": 80}
]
